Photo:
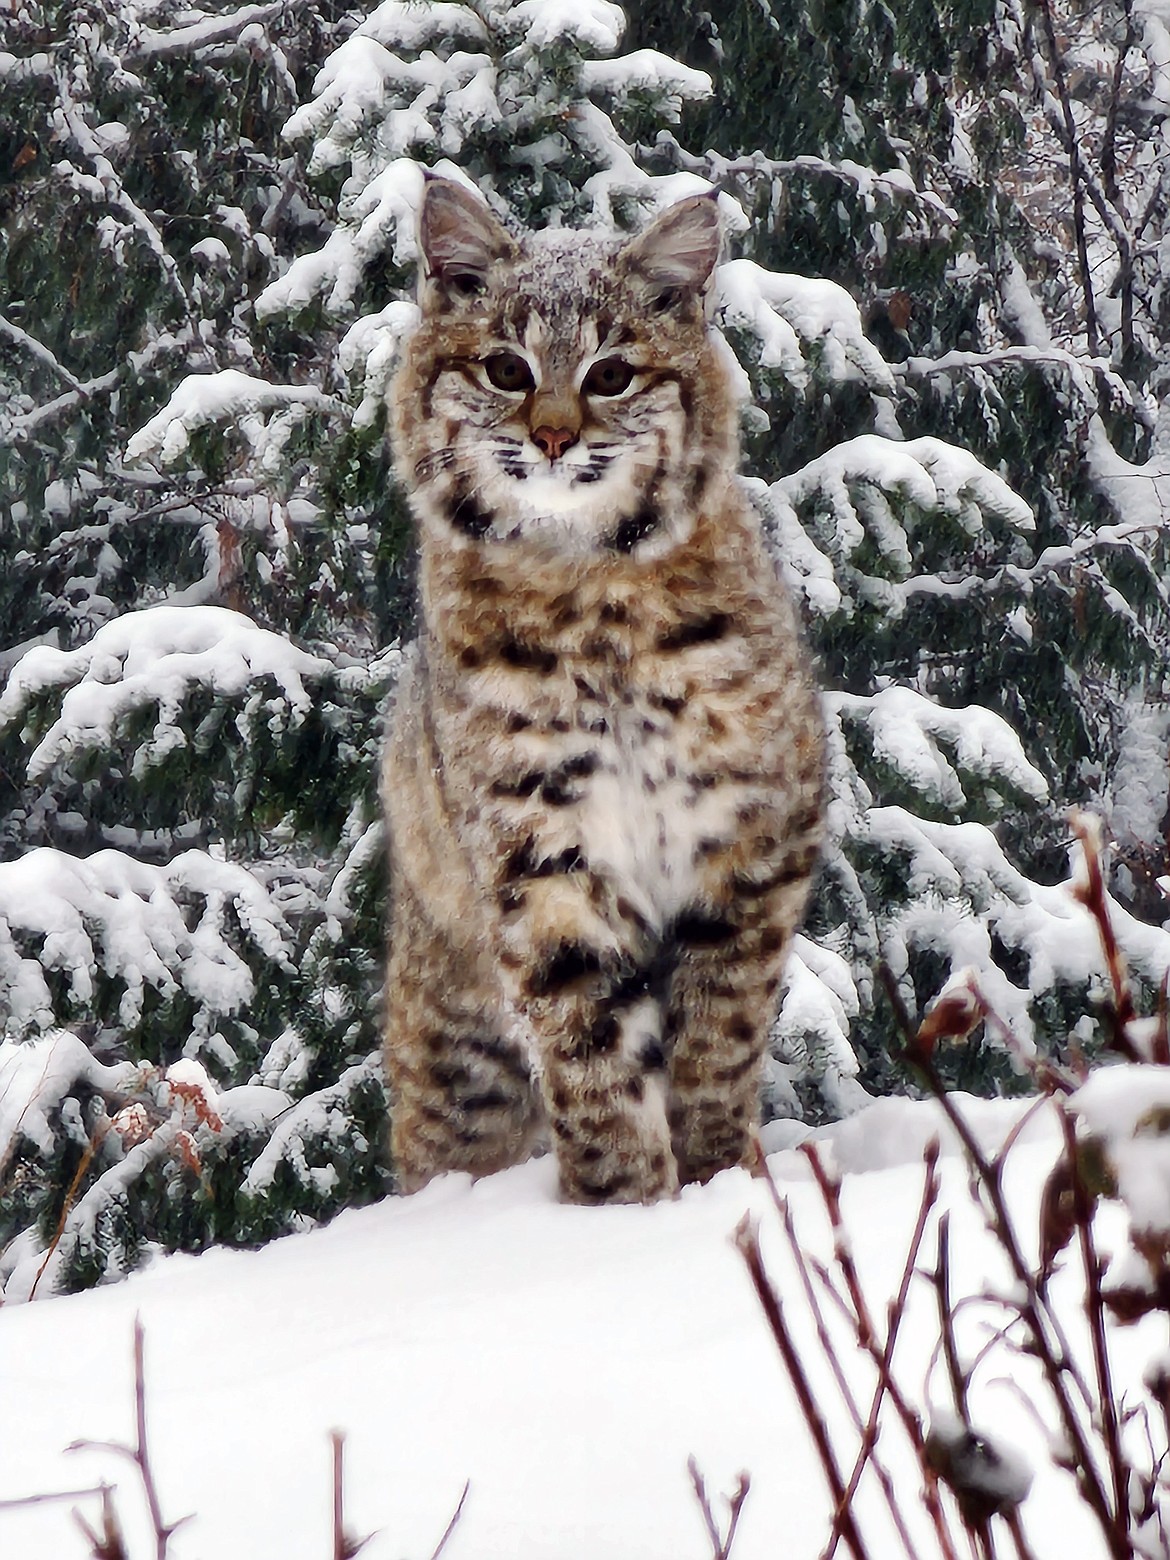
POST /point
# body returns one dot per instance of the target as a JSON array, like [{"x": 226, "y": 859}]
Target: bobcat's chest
[
  {"x": 606, "y": 728},
  {"x": 621, "y": 768},
  {"x": 647, "y": 813}
]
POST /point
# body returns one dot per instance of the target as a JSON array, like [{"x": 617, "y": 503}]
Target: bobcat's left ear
[{"x": 676, "y": 254}]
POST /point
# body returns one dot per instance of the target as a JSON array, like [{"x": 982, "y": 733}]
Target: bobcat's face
[{"x": 554, "y": 391}]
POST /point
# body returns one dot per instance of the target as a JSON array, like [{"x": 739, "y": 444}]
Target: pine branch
[
  {"x": 151, "y": 45},
  {"x": 36, "y": 349}
]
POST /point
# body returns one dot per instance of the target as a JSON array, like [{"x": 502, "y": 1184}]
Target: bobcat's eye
[
  {"x": 508, "y": 371},
  {"x": 609, "y": 377},
  {"x": 669, "y": 298},
  {"x": 468, "y": 284}
]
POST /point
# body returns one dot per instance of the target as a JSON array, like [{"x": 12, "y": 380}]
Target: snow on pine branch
[
  {"x": 111, "y": 916},
  {"x": 404, "y": 87},
  {"x": 404, "y": 24},
  {"x": 963, "y": 897},
  {"x": 265, "y": 414},
  {"x": 905, "y": 728},
  {"x": 593, "y": 25},
  {"x": 852, "y": 491},
  {"x": 36, "y": 1075},
  {"x": 371, "y": 106},
  {"x": 156, "y": 657},
  {"x": 621, "y": 182},
  {"x": 783, "y": 311},
  {"x": 319, "y": 1119},
  {"x": 368, "y": 354},
  {"x": 381, "y": 217},
  {"x": 810, "y": 1039},
  {"x": 646, "y": 74}
]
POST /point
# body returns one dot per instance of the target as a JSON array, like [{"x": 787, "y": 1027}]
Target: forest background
[{"x": 947, "y": 245}]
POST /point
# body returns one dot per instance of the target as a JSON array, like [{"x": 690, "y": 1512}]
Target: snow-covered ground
[{"x": 566, "y": 1360}]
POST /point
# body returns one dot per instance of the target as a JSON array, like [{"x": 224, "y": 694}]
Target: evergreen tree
[{"x": 207, "y": 565}]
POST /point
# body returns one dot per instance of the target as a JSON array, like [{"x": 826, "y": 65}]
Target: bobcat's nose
[{"x": 553, "y": 441}]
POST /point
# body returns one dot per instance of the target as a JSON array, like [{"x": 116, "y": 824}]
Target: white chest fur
[{"x": 645, "y": 814}]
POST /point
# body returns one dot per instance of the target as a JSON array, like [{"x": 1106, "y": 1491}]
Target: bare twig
[
  {"x": 1077, "y": 174},
  {"x": 1094, "y": 1269},
  {"x": 1046, "y": 1337},
  {"x": 37, "y": 349},
  {"x": 941, "y": 1279},
  {"x": 866, "y": 1429},
  {"x": 1092, "y": 894},
  {"x": 450, "y": 1528},
  {"x": 95, "y": 1142},
  {"x": 747, "y": 1239},
  {"x": 52, "y": 1496},
  {"x": 720, "y": 1543},
  {"x": 110, "y": 1543},
  {"x": 139, "y": 1453},
  {"x": 345, "y": 1544},
  {"x": 896, "y": 1310}
]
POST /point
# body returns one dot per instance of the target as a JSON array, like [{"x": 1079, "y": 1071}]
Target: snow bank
[{"x": 565, "y": 1360}]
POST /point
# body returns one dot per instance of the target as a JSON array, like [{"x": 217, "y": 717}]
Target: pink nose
[{"x": 554, "y": 441}]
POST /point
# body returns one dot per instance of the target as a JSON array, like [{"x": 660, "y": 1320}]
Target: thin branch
[
  {"x": 719, "y": 169},
  {"x": 162, "y": 1530},
  {"x": 1108, "y": 154},
  {"x": 450, "y": 1528},
  {"x": 345, "y": 1544},
  {"x": 110, "y": 1543},
  {"x": 720, "y": 1544},
  {"x": 895, "y": 1313},
  {"x": 747, "y": 1239},
  {"x": 96, "y": 1139},
  {"x": 941, "y": 1279},
  {"x": 152, "y": 45},
  {"x": 29, "y": 423},
  {"x": 1092, "y": 894},
  {"x": 1045, "y": 1333},
  {"x": 957, "y": 361},
  {"x": 14, "y": 1504},
  {"x": 1077, "y": 174},
  {"x": 139, "y": 1453},
  {"x": 1094, "y": 1269}
]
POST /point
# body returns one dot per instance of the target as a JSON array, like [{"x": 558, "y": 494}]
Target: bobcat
[{"x": 603, "y": 780}]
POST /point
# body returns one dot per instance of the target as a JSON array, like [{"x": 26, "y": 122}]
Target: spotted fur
[{"x": 603, "y": 781}]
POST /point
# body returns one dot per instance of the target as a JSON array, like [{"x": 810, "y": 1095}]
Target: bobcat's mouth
[
  {"x": 571, "y": 470},
  {"x": 589, "y": 500}
]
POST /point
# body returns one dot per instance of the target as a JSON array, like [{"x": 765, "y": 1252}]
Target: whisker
[{"x": 428, "y": 466}]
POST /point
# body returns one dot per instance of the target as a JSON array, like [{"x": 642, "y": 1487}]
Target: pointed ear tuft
[
  {"x": 459, "y": 238},
  {"x": 677, "y": 252}
]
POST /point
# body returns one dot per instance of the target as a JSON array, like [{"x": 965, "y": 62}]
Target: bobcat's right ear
[{"x": 460, "y": 241}]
